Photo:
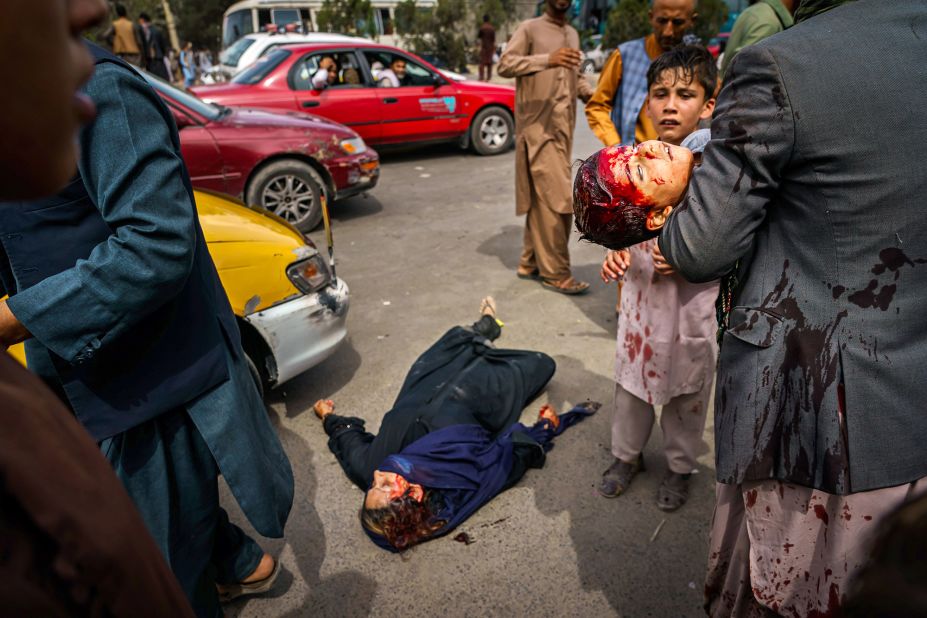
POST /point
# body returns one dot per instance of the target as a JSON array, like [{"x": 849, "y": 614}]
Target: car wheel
[
  {"x": 492, "y": 131},
  {"x": 587, "y": 67},
  {"x": 256, "y": 376},
  {"x": 290, "y": 189}
]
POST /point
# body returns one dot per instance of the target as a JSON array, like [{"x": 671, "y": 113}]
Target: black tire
[
  {"x": 256, "y": 376},
  {"x": 291, "y": 189},
  {"x": 587, "y": 67},
  {"x": 492, "y": 131}
]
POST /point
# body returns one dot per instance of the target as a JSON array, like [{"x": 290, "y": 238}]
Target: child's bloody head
[{"x": 622, "y": 194}]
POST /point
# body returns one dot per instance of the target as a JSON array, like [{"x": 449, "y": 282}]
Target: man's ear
[{"x": 657, "y": 217}]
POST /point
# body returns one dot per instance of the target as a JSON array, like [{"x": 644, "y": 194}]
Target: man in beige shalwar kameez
[{"x": 544, "y": 56}]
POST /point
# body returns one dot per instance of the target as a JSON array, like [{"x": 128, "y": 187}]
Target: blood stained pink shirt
[{"x": 666, "y": 332}]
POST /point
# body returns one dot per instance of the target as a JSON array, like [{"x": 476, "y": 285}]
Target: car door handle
[
  {"x": 391, "y": 100},
  {"x": 310, "y": 103}
]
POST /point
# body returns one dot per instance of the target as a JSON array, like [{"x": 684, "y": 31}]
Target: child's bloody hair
[{"x": 602, "y": 215}]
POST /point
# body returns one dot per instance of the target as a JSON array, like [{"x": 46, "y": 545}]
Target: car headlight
[
  {"x": 309, "y": 275},
  {"x": 353, "y": 146}
]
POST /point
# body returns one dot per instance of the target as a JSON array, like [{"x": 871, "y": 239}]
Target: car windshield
[
  {"x": 210, "y": 111},
  {"x": 232, "y": 55},
  {"x": 260, "y": 69}
]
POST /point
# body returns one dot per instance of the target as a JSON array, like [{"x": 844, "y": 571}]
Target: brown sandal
[
  {"x": 569, "y": 286},
  {"x": 527, "y": 274}
]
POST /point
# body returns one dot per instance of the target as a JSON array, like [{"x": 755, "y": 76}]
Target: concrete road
[{"x": 437, "y": 234}]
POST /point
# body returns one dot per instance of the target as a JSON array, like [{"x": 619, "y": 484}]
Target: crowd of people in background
[{"x": 144, "y": 45}]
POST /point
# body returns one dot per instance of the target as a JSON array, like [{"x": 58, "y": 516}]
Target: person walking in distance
[
  {"x": 487, "y": 38},
  {"x": 155, "y": 46},
  {"x": 125, "y": 37},
  {"x": 543, "y": 55}
]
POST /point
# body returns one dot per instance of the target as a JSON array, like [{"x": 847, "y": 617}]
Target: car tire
[
  {"x": 492, "y": 131},
  {"x": 587, "y": 67},
  {"x": 256, "y": 376},
  {"x": 291, "y": 189}
]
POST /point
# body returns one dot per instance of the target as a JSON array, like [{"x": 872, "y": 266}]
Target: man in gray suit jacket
[{"x": 812, "y": 193}]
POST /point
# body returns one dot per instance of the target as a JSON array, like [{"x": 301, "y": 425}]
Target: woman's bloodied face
[
  {"x": 389, "y": 486},
  {"x": 622, "y": 194}
]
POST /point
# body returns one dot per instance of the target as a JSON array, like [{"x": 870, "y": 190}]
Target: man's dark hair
[
  {"x": 120, "y": 10},
  {"x": 486, "y": 17},
  {"x": 609, "y": 220},
  {"x": 144, "y": 17},
  {"x": 694, "y": 62}
]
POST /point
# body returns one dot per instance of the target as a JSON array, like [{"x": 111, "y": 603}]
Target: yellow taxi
[{"x": 290, "y": 309}]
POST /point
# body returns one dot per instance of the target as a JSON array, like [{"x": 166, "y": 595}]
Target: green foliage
[
  {"x": 435, "y": 32},
  {"x": 199, "y": 21},
  {"x": 711, "y": 16},
  {"x": 500, "y": 12},
  {"x": 629, "y": 20},
  {"x": 347, "y": 16}
]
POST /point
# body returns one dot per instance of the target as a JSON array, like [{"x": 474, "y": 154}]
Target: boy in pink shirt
[{"x": 666, "y": 330}]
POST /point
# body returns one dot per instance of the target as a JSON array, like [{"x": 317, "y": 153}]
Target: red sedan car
[
  {"x": 417, "y": 103},
  {"x": 284, "y": 162}
]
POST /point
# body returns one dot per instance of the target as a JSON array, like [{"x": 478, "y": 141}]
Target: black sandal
[{"x": 673, "y": 491}]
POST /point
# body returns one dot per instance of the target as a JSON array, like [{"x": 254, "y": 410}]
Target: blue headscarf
[{"x": 466, "y": 465}]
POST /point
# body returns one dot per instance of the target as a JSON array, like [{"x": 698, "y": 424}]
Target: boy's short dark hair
[{"x": 695, "y": 63}]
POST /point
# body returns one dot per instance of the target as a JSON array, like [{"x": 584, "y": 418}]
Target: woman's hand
[
  {"x": 323, "y": 407},
  {"x": 659, "y": 262},
  {"x": 615, "y": 265}
]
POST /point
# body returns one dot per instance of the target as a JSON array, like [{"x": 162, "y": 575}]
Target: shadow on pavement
[
  {"x": 347, "y": 593},
  {"x": 506, "y": 245},
  {"x": 355, "y": 207},
  {"x": 611, "y": 537},
  {"x": 406, "y": 153},
  {"x": 321, "y": 382}
]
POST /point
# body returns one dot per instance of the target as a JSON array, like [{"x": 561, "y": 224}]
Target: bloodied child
[{"x": 666, "y": 329}]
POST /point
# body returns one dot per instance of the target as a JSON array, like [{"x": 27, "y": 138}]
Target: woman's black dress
[{"x": 461, "y": 379}]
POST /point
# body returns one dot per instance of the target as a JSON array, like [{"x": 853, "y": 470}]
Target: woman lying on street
[{"x": 451, "y": 441}]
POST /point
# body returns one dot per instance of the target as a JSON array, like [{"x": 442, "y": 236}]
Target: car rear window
[
  {"x": 232, "y": 55},
  {"x": 260, "y": 69}
]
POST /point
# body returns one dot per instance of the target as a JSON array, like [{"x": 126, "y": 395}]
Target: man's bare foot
[
  {"x": 323, "y": 407},
  {"x": 264, "y": 569},
  {"x": 549, "y": 414},
  {"x": 488, "y": 306}
]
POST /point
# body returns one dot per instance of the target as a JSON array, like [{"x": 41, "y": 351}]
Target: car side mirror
[{"x": 437, "y": 81}]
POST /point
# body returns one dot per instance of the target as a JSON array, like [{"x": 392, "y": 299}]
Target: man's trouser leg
[
  {"x": 546, "y": 243},
  {"x": 171, "y": 476},
  {"x": 631, "y": 425},
  {"x": 683, "y": 422},
  {"x": 235, "y": 554}
]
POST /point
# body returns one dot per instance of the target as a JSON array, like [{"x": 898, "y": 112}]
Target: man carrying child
[{"x": 666, "y": 329}]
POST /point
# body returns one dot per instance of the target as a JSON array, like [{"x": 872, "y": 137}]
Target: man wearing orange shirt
[{"x": 616, "y": 112}]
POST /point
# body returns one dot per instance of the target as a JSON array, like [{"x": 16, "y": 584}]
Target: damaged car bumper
[{"x": 304, "y": 331}]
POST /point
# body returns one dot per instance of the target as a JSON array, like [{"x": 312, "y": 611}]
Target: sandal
[
  {"x": 569, "y": 286},
  {"x": 618, "y": 477},
  {"x": 673, "y": 491},
  {"x": 227, "y": 592},
  {"x": 522, "y": 273}
]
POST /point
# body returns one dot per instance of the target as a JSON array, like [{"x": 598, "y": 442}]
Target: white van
[{"x": 253, "y": 16}]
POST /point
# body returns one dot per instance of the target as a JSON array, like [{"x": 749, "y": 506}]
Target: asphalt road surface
[{"x": 437, "y": 234}]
